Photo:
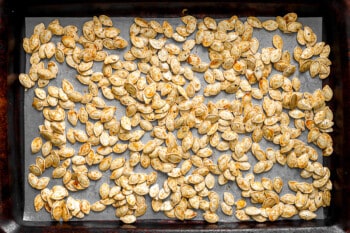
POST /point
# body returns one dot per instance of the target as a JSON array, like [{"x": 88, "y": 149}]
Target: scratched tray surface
[{"x": 34, "y": 118}]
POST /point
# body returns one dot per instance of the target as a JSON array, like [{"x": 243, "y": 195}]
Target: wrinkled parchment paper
[{"x": 34, "y": 118}]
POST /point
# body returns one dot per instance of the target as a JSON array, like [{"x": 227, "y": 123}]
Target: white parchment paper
[{"x": 34, "y": 118}]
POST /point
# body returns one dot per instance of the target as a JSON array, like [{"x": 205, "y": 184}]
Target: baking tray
[{"x": 333, "y": 14}]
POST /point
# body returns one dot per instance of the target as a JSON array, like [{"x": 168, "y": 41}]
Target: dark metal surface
[{"x": 12, "y": 14}]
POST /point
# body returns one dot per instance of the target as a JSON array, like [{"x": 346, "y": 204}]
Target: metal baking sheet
[{"x": 34, "y": 118}]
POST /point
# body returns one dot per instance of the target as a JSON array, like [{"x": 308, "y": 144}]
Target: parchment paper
[{"x": 34, "y": 118}]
